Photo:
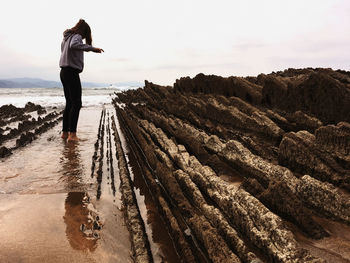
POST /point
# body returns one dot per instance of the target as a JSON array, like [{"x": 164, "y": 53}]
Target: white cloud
[{"x": 162, "y": 40}]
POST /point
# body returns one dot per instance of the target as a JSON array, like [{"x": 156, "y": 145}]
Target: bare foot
[
  {"x": 72, "y": 137},
  {"x": 64, "y": 135}
]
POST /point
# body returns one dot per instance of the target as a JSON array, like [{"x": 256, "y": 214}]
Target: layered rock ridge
[{"x": 242, "y": 168}]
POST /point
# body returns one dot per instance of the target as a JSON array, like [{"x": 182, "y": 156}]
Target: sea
[{"x": 54, "y": 97}]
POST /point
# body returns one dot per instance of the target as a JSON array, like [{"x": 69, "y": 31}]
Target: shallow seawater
[
  {"x": 48, "y": 206},
  {"x": 50, "y": 97}
]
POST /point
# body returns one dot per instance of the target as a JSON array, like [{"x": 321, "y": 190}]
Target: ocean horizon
[{"x": 54, "y": 96}]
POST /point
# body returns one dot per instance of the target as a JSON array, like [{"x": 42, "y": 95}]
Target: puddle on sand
[
  {"x": 48, "y": 208},
  {"x": 82, "y": 226}
]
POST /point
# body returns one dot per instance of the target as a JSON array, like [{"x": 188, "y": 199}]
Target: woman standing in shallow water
[{"x": 72, "y": 63}]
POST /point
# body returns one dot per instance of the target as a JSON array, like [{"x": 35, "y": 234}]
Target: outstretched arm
[
  {"x": 77, "y": 43},
  {"x": 98, "y": 50}
]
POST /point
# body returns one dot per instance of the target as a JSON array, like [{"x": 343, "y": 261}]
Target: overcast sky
[{"x": 161, "y": 40}]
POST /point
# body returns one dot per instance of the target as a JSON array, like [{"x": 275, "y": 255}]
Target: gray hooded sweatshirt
[{"x": 72, "y": 49}]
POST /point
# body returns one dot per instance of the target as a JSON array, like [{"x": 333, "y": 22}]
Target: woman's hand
[{"x": 98, "y": 50}]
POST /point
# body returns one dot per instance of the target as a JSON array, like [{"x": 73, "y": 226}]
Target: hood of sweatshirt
[{"x": 67, "y": 34}]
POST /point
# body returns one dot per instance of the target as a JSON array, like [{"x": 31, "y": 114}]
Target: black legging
[{"x": 72, "y": 92}]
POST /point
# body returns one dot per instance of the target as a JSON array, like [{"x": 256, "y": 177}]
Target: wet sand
[{"x": 49, "y": 210}]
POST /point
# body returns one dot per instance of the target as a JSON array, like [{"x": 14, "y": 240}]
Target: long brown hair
[{"x": 82, "y": 28}]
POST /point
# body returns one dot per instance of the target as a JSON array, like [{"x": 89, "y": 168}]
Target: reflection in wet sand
[
  {"x": 72, "y": 168},
  {"x": 80, "y": 224},
  {"x": 77, "y": 219}
]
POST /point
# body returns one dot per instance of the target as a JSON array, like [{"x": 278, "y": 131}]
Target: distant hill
[{"x": 39, "y": 83}]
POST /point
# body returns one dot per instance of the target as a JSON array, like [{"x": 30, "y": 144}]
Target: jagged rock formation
[
  {"x": 234, "y": 163},
  {"x": 28, "y": 127}
]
